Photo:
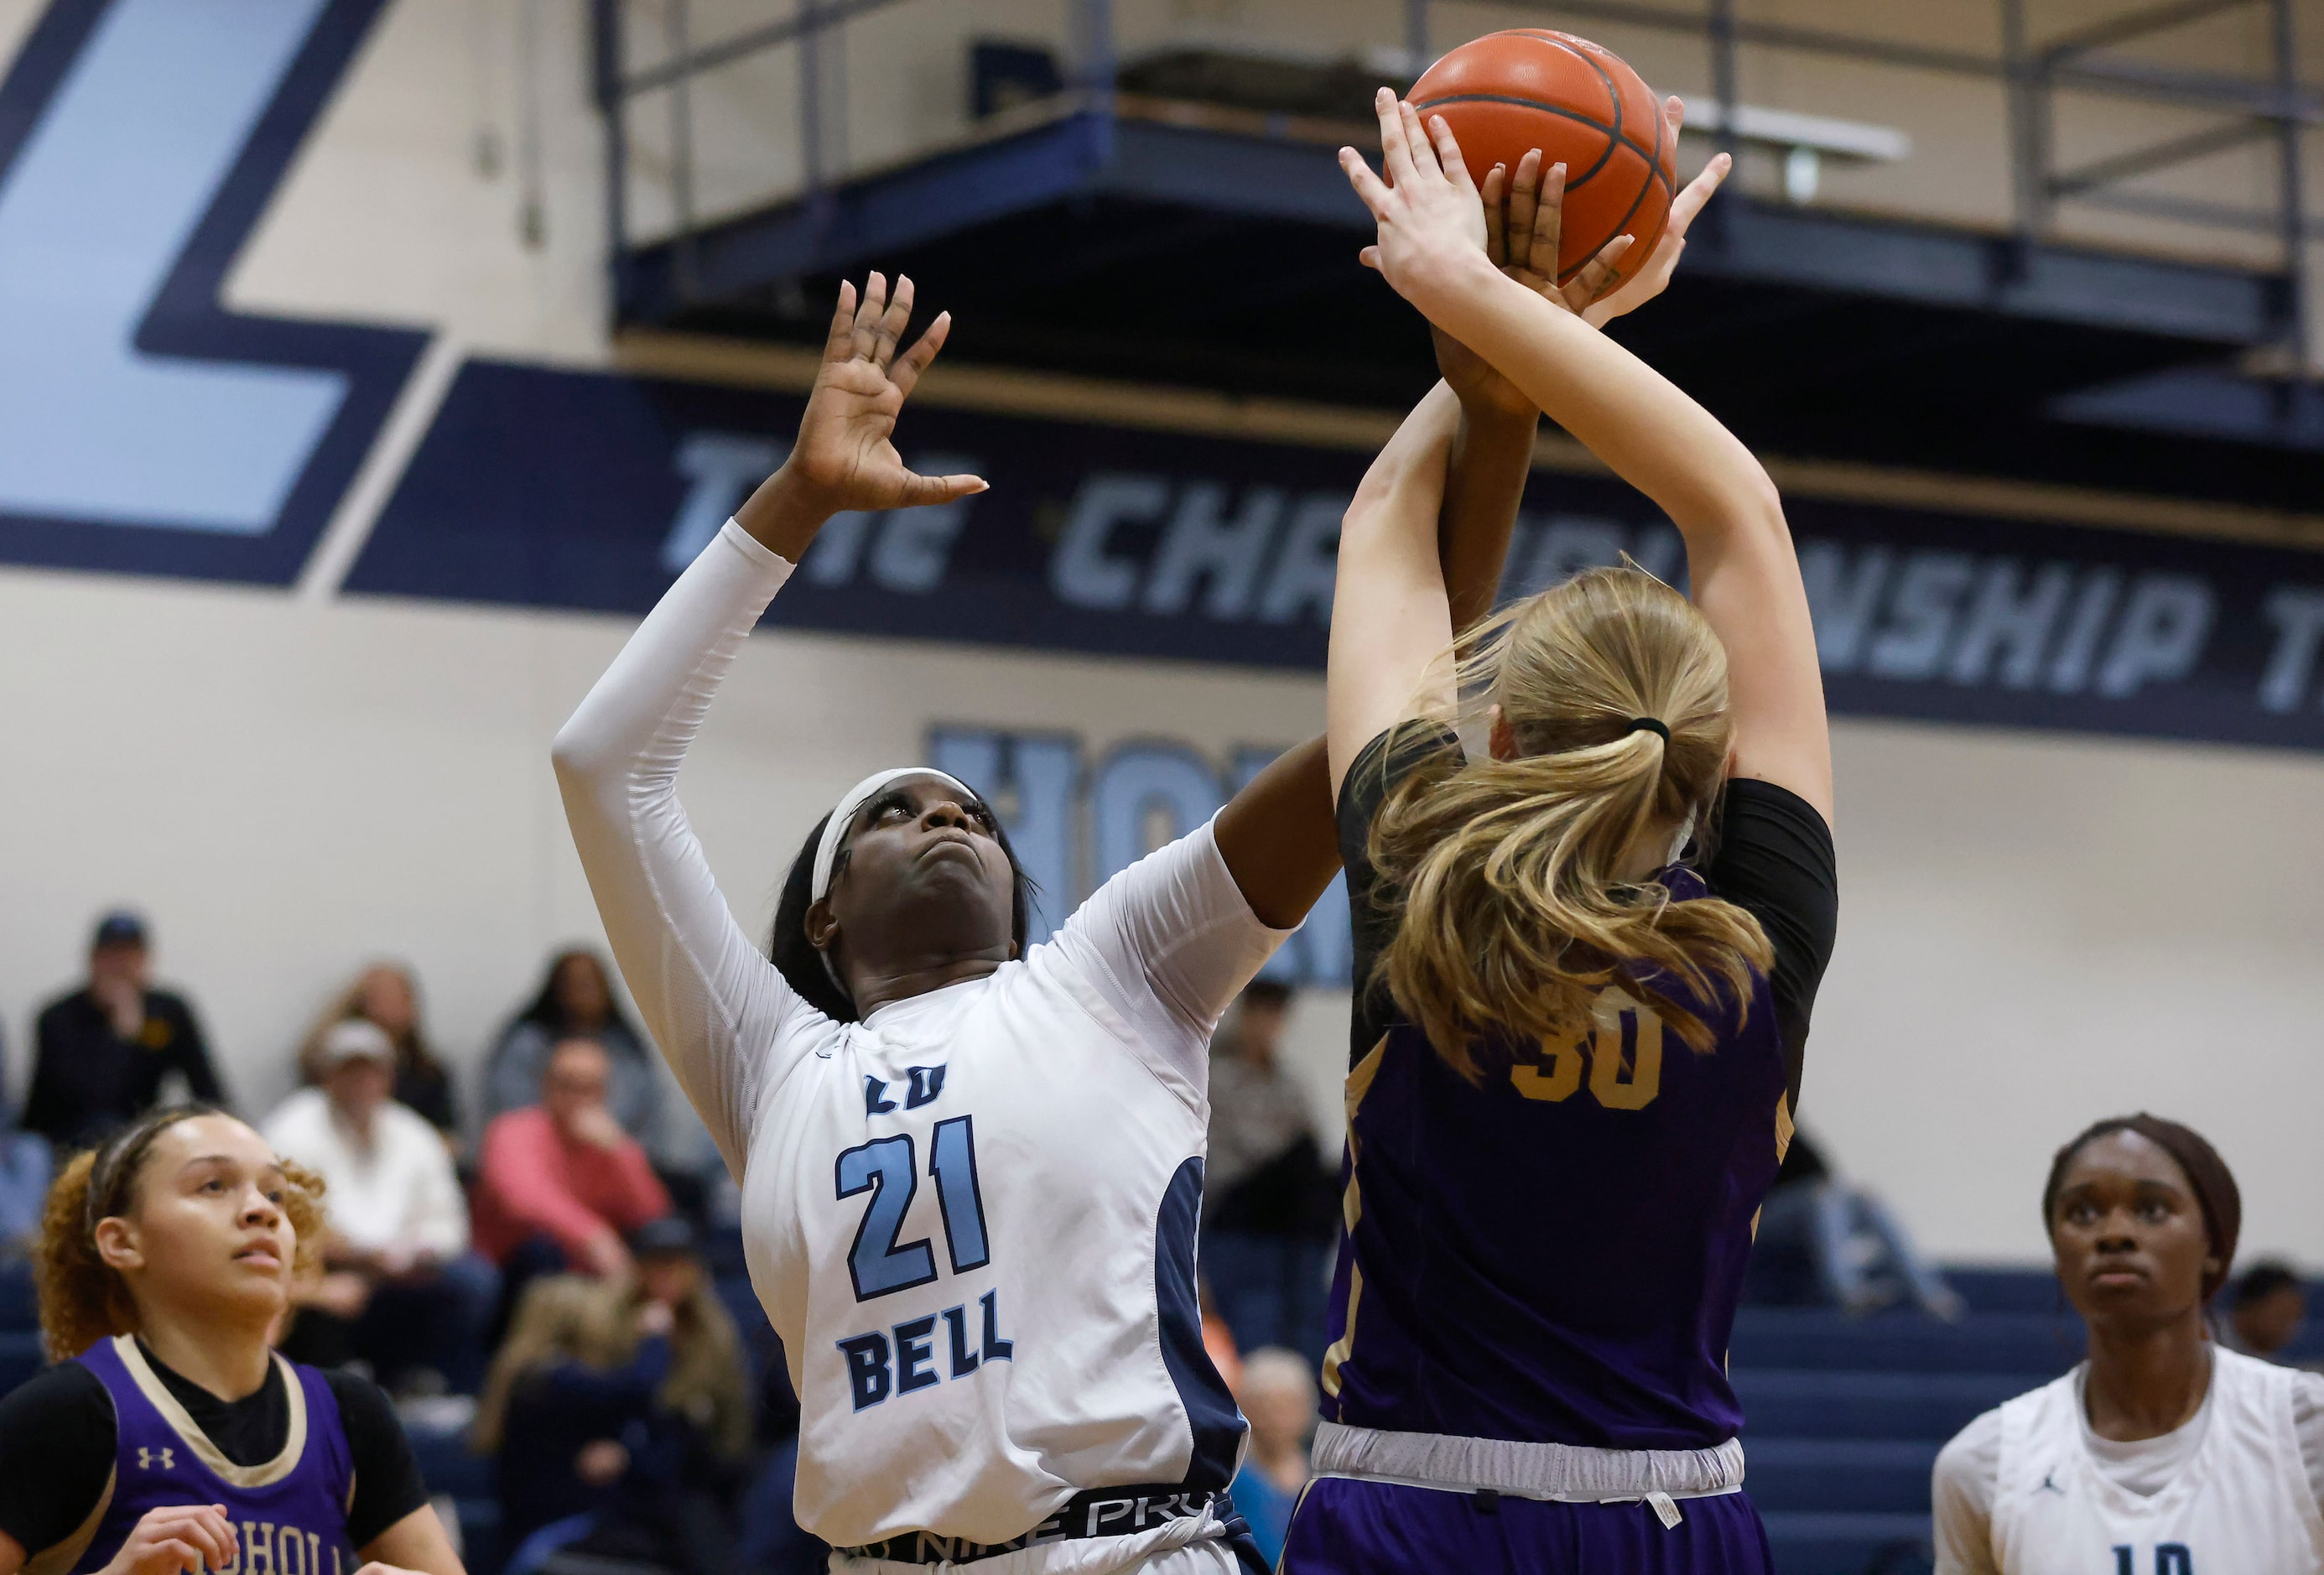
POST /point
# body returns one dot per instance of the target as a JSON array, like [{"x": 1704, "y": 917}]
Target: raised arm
[
  {"x": 1745, "y": 576},
  {"x": 1391, "y": 619},
  {"x": 720, "y": 1011},
  {"x": 1493, "y": 449}
]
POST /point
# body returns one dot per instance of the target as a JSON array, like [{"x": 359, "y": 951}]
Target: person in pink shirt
[{"x": 562, "y": 1172}]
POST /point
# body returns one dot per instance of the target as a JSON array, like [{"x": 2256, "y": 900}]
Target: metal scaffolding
[{"x": 2273, "y": 106}]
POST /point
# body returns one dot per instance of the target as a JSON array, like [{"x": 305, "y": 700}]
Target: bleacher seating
[{"x": 1846, "y": 1414}]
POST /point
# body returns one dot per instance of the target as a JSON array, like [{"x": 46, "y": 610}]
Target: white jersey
[
  {"x": 972, "y": 1216},
  {"x": 2231, "y": 1493}
]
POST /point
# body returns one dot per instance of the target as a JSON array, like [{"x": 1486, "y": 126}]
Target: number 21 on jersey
[{"x": 903, "y": 1359}]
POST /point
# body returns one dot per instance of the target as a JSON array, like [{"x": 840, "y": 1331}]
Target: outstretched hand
[
  {"x": 846, "y": 456},
  {"x": 1432, "y": 223}
]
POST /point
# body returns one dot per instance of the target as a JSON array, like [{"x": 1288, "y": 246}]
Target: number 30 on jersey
[{"x": 902, "y": 1359}]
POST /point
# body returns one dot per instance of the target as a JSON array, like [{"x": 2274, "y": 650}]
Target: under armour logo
[
  {"x": 146, "y": 1459},
  {"x": 2049, "y": 1485}
]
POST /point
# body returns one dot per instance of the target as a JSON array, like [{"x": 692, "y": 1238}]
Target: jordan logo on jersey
[{"x": 165, "y": 1455}]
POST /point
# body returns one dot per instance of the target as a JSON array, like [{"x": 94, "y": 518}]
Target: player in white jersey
[
  {"x": 971, "y": 1173},
  {"x": 2163, "y": 1453}
]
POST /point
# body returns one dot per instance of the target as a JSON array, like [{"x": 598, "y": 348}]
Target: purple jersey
[
  {"x": 1556, "y": 1257},
  {"x": 290, "y": 1512}
]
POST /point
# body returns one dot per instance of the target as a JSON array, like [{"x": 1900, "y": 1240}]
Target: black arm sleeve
[
  {"x": 193, "y": 1054},
  {"x": 44, "y": 1103},
  {"x": 388, "y": 1485},
  {"x": 1376, "y": 770},
  {"x": 1774, "y": 858},
  {"x": 57, "y": 1439}
]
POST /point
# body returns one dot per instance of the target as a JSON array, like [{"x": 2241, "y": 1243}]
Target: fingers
[
  {"x": 1525, "y": 205},
  {"x": 1699, "y": 190},
  {"x": 1370, "y": 187},
  {"x": 842, "y": 341},
  {"x": 1396, "y": 165},
  {"x": 866, "y": 336},
  {"x": 891, "y": 325},
  {"x": 1369, "y": 257},
  {"x": 187, "y": 1537},
  {"x": 906, "y": 372},
  {"x": 1497, "y": 180},
  {"x": 1674, "y": 116},
  {"x": 1416, "y": 141},
  {"x": 1591, "y": 281},
  {"x": 920, "y": 490},
  {"x": 1447, "y": 149},
  {"x": 1548, "y": 229}
]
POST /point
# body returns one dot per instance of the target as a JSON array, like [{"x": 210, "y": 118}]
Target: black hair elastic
[{"x": 1647, "y": 724}]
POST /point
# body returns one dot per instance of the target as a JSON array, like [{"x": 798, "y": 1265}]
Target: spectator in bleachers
[
  {"x": 1277, "y": 1396},
  {"x": 404, "y": 1293},
  {"x": 575, "y": 1001},
  {"x": 2267, "y": 1307},
  {"x": 1824, "y": 1241},
  {"x": 103, "y": 1051},
  {"x": 386, "y": 994},
  {"x": 24, "y": 1162},
  {"x": 1268, "y": 1205},
  {"x": 620, "y": 1413},
  {"x": 559, "y": 1183}
]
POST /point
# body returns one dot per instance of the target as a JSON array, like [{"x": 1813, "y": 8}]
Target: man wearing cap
[
  {"x": 102, "y": 1051},
  {"x": 400, "y": 1289}
]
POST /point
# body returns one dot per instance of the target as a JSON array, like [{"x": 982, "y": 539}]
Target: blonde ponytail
[{"x": 1505, "y": 875}]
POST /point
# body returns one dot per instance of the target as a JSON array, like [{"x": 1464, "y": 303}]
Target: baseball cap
[
  {"x": 119, "y": 928},
  {"x": 668, "y": 1234},
  {"x": 352, "y": 1040}
]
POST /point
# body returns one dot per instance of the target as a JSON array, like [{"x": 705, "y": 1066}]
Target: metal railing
[{"x": 2273, "y": 107}]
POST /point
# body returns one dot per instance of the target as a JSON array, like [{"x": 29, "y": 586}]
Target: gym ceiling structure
[{"x": 1179, "y": 218}]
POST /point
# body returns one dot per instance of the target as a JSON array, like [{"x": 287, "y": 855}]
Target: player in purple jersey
[
  {"x": 173, "y": 1438},
  {"x": 1574, "y": 1059}
]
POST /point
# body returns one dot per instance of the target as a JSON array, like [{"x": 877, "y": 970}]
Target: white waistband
[{"x": 1571, "y": 1473}]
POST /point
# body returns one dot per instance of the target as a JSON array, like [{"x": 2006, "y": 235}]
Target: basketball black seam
[
  {"x": 1611, "y": 135},
  {"x": 1654, "y": 160},
  {"x": 1614, "y": 136},
  {"x": 1654, "y": 172}
]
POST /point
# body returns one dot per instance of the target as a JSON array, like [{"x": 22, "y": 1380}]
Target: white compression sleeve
[{"x": 723, "y": 1014}]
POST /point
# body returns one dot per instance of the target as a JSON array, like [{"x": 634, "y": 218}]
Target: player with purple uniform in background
[
  {"x": 1574, "y": 1061},
  {"x": 175, "y": 1439}
]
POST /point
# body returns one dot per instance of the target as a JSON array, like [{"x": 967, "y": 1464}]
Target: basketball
[{"x": 1529, "y": 87}]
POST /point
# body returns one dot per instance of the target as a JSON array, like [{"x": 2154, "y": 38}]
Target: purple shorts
[{"x": 1346, "y": 1528}]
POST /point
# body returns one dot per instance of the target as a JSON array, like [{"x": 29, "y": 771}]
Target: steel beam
[
  {"x": 726, "y": 52},
  {"x": 2123, "y": 29},
  {"x": 2157, "y": 155}
]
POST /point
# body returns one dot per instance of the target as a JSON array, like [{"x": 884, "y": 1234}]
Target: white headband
[{"x": 844, "y": 813}]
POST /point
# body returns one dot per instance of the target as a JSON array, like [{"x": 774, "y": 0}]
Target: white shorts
[{"x": 1095, "y": 1556}]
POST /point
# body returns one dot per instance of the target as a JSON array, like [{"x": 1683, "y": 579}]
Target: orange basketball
[{"x": 1528, "y": 87}]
